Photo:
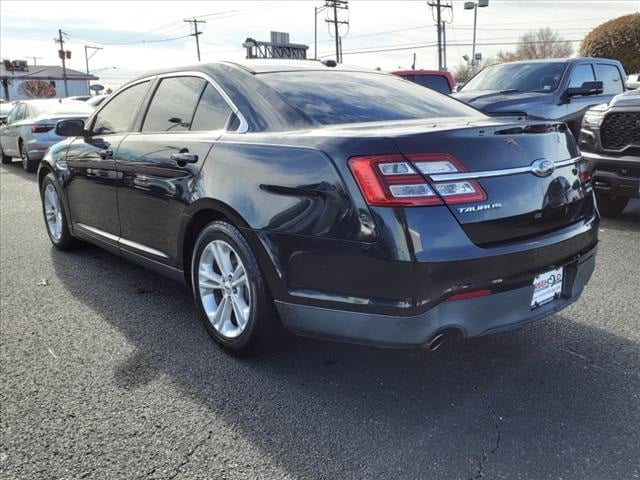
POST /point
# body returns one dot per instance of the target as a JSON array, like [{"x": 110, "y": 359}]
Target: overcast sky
[{"x": 149, "y": 30}]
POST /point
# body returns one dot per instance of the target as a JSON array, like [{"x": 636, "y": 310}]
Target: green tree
[{"x": 618, "y": 38}]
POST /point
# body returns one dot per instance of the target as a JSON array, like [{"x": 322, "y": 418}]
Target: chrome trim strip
[
  {"x": 449, "y": 177},
  {"x": 122, "y": 241},
  {"x": 142, "y": 248},
  {"x": 97, "y": 231}
]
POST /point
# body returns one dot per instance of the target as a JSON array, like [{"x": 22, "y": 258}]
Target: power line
[{"x": 431, "y": 45}]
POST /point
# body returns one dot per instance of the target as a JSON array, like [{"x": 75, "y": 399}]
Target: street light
[
  {"x": 316, "y": 11},
  {"x": 474, "y": 6}
]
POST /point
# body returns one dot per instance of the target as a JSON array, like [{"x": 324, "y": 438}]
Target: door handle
[
  {"x": 105, "y": 153},
  {"x": 184, "y": 157}
]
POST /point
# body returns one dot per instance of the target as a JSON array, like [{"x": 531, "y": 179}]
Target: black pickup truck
[
  {"x": 610, "y": 141},
  {"x": 550, "y": 89}
]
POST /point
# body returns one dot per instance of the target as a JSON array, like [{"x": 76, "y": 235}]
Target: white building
[{"x": 10, "y": 80}]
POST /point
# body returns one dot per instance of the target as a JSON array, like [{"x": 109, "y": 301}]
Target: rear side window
[
  {"x": 173, "y": 105},
  {"x": 212, "y": 112},
  {"x": 581, "y": 74},
  {"x": 610, "y": 77},
  {"x": 331, "y": 97},
  {"x": 116, "y": 115},
  {"x": 434, "y": 82}
]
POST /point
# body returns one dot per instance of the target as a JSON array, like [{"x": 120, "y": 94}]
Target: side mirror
[
  {"x": 3, "y": 121},
  {"x": 587, "y": 88},
  {"x": 70, "y": 128}
]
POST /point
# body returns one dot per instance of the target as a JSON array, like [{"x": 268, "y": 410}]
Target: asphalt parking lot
[{"x": 107, "y": 373}]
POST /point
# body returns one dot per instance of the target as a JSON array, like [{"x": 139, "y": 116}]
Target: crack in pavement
[
  {"x": 485, "y": 455},
  {"x": 187, "y": 457}
]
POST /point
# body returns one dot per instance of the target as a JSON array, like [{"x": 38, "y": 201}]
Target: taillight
[
  {"x": 583, "y": 171},
  {"x": 452, "y": 192},
  {"x": 41, "y": 128},
  {"x": 391, "y": 181},
  {"x": 468, "y": 295}
]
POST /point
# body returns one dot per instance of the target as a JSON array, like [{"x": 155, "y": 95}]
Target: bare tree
[
  {"x": 543, "y": 43},
  {"x": 37, "y": 89}
]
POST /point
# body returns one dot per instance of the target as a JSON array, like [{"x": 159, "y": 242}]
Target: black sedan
[{"x": 336, "y": 202}]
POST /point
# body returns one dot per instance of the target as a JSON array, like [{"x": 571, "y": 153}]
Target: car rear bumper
[
  {"x": 618, "y": 176},
  {"x": 503, "y": 310}
]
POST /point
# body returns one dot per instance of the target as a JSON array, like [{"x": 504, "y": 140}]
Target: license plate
[{"x": 547, "y": 287}]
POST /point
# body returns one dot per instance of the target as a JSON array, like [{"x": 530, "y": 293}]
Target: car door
[
  {"x": 92, "y": 175},
  {"x": 10, "y": 131},
  {"x": 576, "y": 106},
  {"x": 160, "y": 163}
]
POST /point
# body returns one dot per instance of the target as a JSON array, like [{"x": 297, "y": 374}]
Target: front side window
[
  {"x": 173, "y": 104},
  {"x": 212, "y": 112},
  {"x": 581, "y": 74},
  {"x": 330, "y": 97},
  {"x": 610, "y": 78},
  {"x": 116, "y": 116}
]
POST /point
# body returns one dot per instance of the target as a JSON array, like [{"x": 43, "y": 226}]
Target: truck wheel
[{"x": 609, "y": 205}]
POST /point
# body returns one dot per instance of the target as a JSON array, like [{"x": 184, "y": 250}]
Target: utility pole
[
  {"x": 336, "y": 5},
  {"x": 34, "y": 60},
  {"x": 413, "y": 65},
  {"x": 63, "y": 55},
  {"x": 440, "y": 25},
  {"x": 196, "y": 33},
  {"x": 87, "y": 58}
]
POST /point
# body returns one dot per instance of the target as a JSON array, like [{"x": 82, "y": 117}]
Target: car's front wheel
[
  {"x": 232, "y": 297},
  {"x": 611, "y": 206},
  {"x": 28, "y": 164},
  {"x": 55, "y": 217}
]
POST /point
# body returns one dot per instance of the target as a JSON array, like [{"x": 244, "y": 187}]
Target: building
[
  {"x": 13, "y": 74},
  {"x": 278, "y": 47}
]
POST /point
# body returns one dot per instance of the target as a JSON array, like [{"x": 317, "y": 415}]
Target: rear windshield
[
  {"x": 330, "y": 97},
  {"x": 434, "y": 82}
]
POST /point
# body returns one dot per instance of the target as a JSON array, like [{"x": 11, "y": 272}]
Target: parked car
[
  {"x": 442, "y": 82},
  {"x": 610, "y": 141},
  {"x": 353, "y": 204},
  {"x": 550, "y": 89},
  {"x": 96, "y": 100},
  {"x": 29, "y": 129},
  {"x": 633, "y": 81},
  {"x": 5, "y": 108}
]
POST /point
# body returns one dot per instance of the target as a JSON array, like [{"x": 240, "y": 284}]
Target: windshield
[
  {"x": 520, "y": 77},
  {"x": 333, "y": 97}
]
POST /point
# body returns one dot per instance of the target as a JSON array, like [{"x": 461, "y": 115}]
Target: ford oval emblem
[{"x": 543, "y": 167}]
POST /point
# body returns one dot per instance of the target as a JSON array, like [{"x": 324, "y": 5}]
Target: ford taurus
[{"x": 339, "y": 203}]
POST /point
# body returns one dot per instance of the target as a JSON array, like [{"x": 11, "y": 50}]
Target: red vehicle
[{"x": 442, "y": 82}]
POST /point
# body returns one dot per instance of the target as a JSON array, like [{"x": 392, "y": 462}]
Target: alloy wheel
[
  {"x": 53, "y": 213},
  {"x": 224, "y": 289}
]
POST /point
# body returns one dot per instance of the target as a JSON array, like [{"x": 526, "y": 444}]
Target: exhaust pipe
[{"x": 436, "y": 341}]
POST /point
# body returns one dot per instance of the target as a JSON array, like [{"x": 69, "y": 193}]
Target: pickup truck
[
  {"x": 549, "y": 89},
  {"x": 610, "y": 142},
  {"x": 437, "y": 80}
]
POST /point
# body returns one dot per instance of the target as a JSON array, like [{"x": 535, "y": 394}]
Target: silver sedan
[{"x": 29, "y": 129}]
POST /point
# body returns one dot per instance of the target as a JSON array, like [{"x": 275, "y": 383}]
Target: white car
[{"x": 29, "y": 129}]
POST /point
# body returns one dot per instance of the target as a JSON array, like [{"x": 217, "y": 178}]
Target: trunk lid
[{"x": 519, "y": 203}]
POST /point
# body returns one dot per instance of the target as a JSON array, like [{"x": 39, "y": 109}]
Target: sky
[{"x": 135, "y": 36}]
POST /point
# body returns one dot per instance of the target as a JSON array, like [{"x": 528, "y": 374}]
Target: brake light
[
  {"x": 391, "y": 181},
  {"x": 41, "y": 128}
]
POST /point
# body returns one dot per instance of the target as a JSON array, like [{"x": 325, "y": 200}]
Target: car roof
[
  {"x": 563, "y": 60},
  {"x": 259, "y": 66}
]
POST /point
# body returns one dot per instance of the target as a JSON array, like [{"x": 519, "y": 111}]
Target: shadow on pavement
[{"x": 524, "y": 404}]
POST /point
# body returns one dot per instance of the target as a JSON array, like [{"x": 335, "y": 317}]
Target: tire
[
  {"x": 240, "y": 317},
  {"x": 609, "y": 205},
  {"x": 5, "y": 158},
  {"x": 28, "y": 164},
  {"x": 55, "y": 218}
]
